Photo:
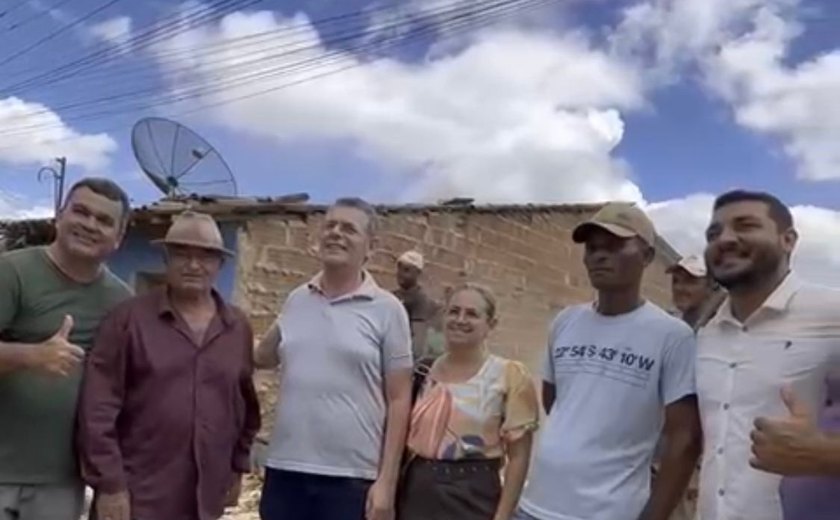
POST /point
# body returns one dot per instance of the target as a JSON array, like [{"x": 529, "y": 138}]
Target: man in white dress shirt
[{"x": 773, "y": 332}]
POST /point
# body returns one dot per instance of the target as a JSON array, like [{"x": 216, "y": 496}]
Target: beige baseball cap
[
  {"x": 412, "y": 258},
  {"x": 692, "y": 264},
  {"x": 622, "y": 219}
]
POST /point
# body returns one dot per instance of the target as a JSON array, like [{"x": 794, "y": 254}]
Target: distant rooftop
[{"x": 16, "y": 233}]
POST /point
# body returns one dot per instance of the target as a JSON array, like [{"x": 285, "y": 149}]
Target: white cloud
[
  {"x": 115, "y": 31},
  {"x": 741, "y": 48},
  {"x": 511, "y": 116},
  {"x": 53, "y": 138},
  {"x": 796, "y": 104},
  {"x": 817, "y": 257},
  {"x": 16, "y": 207},
  {"x": 668, "y": 36},
  {"x": 531, "y": 115}
]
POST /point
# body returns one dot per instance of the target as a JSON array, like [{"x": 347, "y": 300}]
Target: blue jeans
[{"x": 288, "y": 495}]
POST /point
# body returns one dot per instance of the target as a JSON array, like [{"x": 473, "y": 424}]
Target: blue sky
[{"x": 662, "y": 102}]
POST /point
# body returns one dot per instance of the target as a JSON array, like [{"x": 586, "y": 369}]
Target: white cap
[
  {"x": 412, "y": 258},
  {"x": 692, "y": 264}
]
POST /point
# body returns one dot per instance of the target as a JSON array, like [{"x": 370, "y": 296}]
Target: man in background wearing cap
[
  {"x": 696, "y": 297},
  {"x": 614, "y": 368},
  {"x": 695, "y": 294},
  {"x": 421, "y": 308},
  {"x": 168, "y": 409}
]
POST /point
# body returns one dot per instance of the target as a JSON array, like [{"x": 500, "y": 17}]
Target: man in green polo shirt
[{"x": 51, "y": 302}]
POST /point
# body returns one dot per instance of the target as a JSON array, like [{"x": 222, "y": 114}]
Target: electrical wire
[
  {"x": 182, "y": 21},
  {"x": 185, "y": 94},
  {"x": 39, "y": 14},
  {"x": 259, "y": 77},
  {"x": 287, "y": 50},
  {"x": 12, "y": 9},
  {"x": 57, "y": 32}
]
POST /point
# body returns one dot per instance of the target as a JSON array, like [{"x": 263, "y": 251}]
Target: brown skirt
[{"x": 450, "y": 490}]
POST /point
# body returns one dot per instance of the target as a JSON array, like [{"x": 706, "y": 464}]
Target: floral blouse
[{"x": 474, "y": 419}]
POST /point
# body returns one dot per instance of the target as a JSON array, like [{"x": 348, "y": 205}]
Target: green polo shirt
[{"x": 37, "y": 411}]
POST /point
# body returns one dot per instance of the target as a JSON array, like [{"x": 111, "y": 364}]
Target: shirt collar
[
  {"x": 165, "y": 307},
  {"x": 367, "y": 290},
  {"x": 778, "y": 301}
]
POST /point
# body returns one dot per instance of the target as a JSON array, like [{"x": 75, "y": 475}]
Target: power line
[
  {"x": 37, "y": 15},
  {"x": 57, "y": 32},
  {"x": 12, "y": 9},
  {"x": 227, "y": 73},
  {"x": 262, "y": 75},
  {"x": 181, "y": 21},
  {"x": 284, "y": 50}
]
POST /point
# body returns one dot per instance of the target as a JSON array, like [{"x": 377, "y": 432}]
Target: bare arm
[
  {"x": 683, "y": 439},
  {"x": 549, "y": 393},
  {"x": 398, "y": 397},
  {"x": 518, "y": 459},
  {"x": 267, "y": 354}
]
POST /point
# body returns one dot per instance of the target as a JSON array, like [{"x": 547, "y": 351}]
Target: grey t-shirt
[
  {"x": 613, "y": 375},
  {"x": 334, "y": 356}
]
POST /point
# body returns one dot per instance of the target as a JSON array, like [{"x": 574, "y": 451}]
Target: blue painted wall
[{"x": 138, "y": 254}]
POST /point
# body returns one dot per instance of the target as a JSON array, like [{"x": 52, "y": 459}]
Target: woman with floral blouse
[{"x": 472, "y": 424}]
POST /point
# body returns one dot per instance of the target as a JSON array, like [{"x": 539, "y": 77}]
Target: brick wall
[{"x": 526, "y": 256}]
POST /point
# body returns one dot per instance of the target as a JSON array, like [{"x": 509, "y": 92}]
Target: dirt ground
[
  {"x": 248, "y": 501},
  {"x": 266, "y": 385}
]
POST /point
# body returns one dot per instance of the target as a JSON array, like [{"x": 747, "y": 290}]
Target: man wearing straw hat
[{"x": 168, "y": 409}]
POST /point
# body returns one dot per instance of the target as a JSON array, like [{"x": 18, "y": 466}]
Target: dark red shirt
[{"x": 164, "y": 417}]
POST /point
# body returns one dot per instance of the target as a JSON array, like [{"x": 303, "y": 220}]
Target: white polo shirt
[{"x": 794, "y": 337}]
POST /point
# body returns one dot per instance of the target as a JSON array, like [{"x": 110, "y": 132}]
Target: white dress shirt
[{"x": 793, "y": 338}]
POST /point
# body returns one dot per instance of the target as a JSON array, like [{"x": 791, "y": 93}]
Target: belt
[{"x": 460, "y": 467}]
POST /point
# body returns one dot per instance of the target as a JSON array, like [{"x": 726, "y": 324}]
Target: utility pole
[{"x": 58, "y": 180}]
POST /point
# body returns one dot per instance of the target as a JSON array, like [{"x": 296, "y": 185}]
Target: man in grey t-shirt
[
  {"x": 343, "y": 345},
  {"x": 618, "y": 373}
]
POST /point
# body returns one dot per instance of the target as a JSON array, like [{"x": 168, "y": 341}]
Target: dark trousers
[
  {"x": 291, "y": 495},
  {"x": 450, "y": 490}
]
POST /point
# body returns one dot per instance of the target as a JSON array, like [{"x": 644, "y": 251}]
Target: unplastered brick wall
[{"x": 525, "y": 255}]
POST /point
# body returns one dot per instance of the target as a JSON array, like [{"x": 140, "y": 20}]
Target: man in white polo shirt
[
  {"x": 774, "y": 331},
  {"x": 344, "y": 349},
  {"x": 618, "y": 372}
]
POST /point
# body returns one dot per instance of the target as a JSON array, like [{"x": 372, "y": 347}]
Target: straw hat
[{"x": 194, "y": 229}]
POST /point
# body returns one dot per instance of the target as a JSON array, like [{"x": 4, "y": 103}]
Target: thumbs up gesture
[
  {"x": 57, "y": 355},
  {"x": 789, "y": 445}
]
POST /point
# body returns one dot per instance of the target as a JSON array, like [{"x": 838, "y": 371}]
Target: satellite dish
[{"x": 178, "y": 161}]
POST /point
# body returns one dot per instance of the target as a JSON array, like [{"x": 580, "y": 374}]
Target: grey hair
[{"x": 361, "y": 205}]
